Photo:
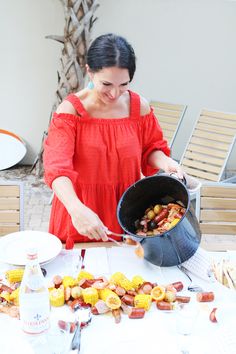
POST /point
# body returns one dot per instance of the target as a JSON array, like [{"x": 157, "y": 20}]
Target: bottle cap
[{"x": 32, "y": 253}]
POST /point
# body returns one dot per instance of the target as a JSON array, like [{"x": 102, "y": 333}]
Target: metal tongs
[{"x": 120, "y": 244}]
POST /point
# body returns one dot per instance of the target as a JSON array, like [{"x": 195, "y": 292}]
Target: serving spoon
[{"x": 191, "y": 287}]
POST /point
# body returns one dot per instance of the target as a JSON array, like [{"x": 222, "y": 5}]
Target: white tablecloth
[{"x": 156, "y": 332}]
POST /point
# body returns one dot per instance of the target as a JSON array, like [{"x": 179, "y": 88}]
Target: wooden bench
[
  {"x": 11, "y": 207},
  {"x": 209, "y": 146},
  {"x": 217, "y": 216},
  {"x": 169, "y": 116}
]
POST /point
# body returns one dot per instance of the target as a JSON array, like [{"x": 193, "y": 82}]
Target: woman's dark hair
[{"x": 111, "y": 50}]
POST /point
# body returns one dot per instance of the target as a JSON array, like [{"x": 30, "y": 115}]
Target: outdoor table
[{"x": 156, "y": 332}]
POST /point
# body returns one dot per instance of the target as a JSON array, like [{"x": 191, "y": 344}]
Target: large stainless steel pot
[{"x": 174, "y": 246}]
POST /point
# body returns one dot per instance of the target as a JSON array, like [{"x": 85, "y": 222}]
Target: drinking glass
[
  {"x": 186, "y": 317},
  {"x": 71, "y": 260},
  {"x": 60, "y": 333}
]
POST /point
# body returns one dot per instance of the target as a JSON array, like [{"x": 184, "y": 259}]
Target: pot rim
[{"x": 164, "y": 234}]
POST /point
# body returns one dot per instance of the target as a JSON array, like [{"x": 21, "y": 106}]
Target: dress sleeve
[
  {"x": 152, "y": 140},
  {"x": 59, "y": 148}
]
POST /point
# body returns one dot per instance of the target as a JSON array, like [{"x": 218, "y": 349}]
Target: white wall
[
  {"x": 186, "y": 53},
  {"x": 28, "y": 64}
]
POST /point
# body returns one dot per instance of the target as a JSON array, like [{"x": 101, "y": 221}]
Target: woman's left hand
[
  {"x": 159, "y": 160},
  {"x": 172, "y": 166}
]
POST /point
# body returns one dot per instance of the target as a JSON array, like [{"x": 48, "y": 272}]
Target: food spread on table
[
  {"x": 117, "y": 295},
  {"x": 159, "y": 218}
]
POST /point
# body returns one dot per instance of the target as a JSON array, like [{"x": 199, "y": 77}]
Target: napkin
[{"x": 199, "y": 264}]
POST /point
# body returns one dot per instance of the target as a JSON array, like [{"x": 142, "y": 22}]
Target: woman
[{"x": 99, "y": 141}]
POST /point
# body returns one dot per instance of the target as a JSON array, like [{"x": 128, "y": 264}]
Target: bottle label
[{"x": 34, "y": 312}]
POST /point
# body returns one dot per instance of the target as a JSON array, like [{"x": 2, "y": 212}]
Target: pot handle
[{"x": 183, "y": 180}]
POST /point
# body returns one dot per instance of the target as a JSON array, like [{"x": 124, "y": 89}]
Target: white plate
[
  {"x": 13, "y": 147},
  {"x": 13, "y": 247}
]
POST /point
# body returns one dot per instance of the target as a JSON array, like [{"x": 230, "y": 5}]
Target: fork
[{"x": 191, "y": 287}]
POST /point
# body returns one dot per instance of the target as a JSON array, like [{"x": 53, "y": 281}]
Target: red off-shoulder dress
[{"x": 102, "y": 157}]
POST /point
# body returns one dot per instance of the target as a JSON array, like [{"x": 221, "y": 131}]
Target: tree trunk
[{"x": 79, "y": 19}]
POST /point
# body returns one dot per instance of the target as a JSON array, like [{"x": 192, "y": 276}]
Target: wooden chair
[
  {"x": 11, "y": 207},
  {"x": 209, "y": 146},
  {"x": 169, "y": 116},
  {"x": 216, "y": 204}
]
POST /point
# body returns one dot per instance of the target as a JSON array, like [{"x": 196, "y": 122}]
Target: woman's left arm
[
  {"x": 158, "y": 159},
  {"x": 155, "y": 149}
]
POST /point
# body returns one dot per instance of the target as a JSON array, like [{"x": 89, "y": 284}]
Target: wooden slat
[
  {"x": 201, "y": 157},
  {"x": 94, "y": 244},
  {"x": 9, "y": 203},
  {"x": 216, "y": 129},
  {"x": 218, "y": 191},
  {"x": 218, "y": 229},
  {"x": 207, "y": 143},
  {"x": 9, "y": 216},
  {"x": 9, "y": 191},
  {"x": 167, "y": 106},
  {"x": 215, "y": 242},
  {"x": 166, "y": 126},
  {"x": 7, "y": 229},
  {"x": 217, "y": 215},
  {"x": 207, "y": 151},
  {"x": 229, "y": 116},
  {"x": 163, "y": 112},
  {"x": 167, "y": 119},
  {"x": 219, "y": 122},
  {"x": 201, "y": 165},
  {"x": 10, "y": 207},
  {"x": 217, "y": 203},
  {"x": 168, "y": 134},
  {"x": 212, "y": 136},
  {"x": 201, "y": 175}
]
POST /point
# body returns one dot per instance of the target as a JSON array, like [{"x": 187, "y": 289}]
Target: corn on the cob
[
  {"x": 14, "y": 296},
  {"x": 137, "y": 281},
  {"x": 5, "y": 295},
  {"x": 84, "y": 275},
  {"x": 90, "y": 296},
  {"x": 68, "y": 281},
  {"x": 76, "y": 292},
  {"x": 14, "y": 275},
  {"x": 116, "y": 278},
  {"x": 126, "y": 284},
  {"x": 57, "y": 297},
  {"x": 174, "y": 222},
  {"x": 143, "y": 301},
  {"x": 111, "y": 299}
]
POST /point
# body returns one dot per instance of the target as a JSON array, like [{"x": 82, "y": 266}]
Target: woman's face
[{"x": 110, "y": 83}]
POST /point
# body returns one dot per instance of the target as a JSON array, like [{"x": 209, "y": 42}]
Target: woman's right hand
[{"x": 87, "y": 223}]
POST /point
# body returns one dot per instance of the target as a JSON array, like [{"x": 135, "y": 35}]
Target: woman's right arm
[
  {"x": 60, "y": 175},
  {"x": 85, "y": 221}
]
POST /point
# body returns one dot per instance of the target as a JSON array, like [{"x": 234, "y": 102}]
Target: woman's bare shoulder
[
  {"x": 144, "y": 106},
  {"x": 66, "y": 107}
]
